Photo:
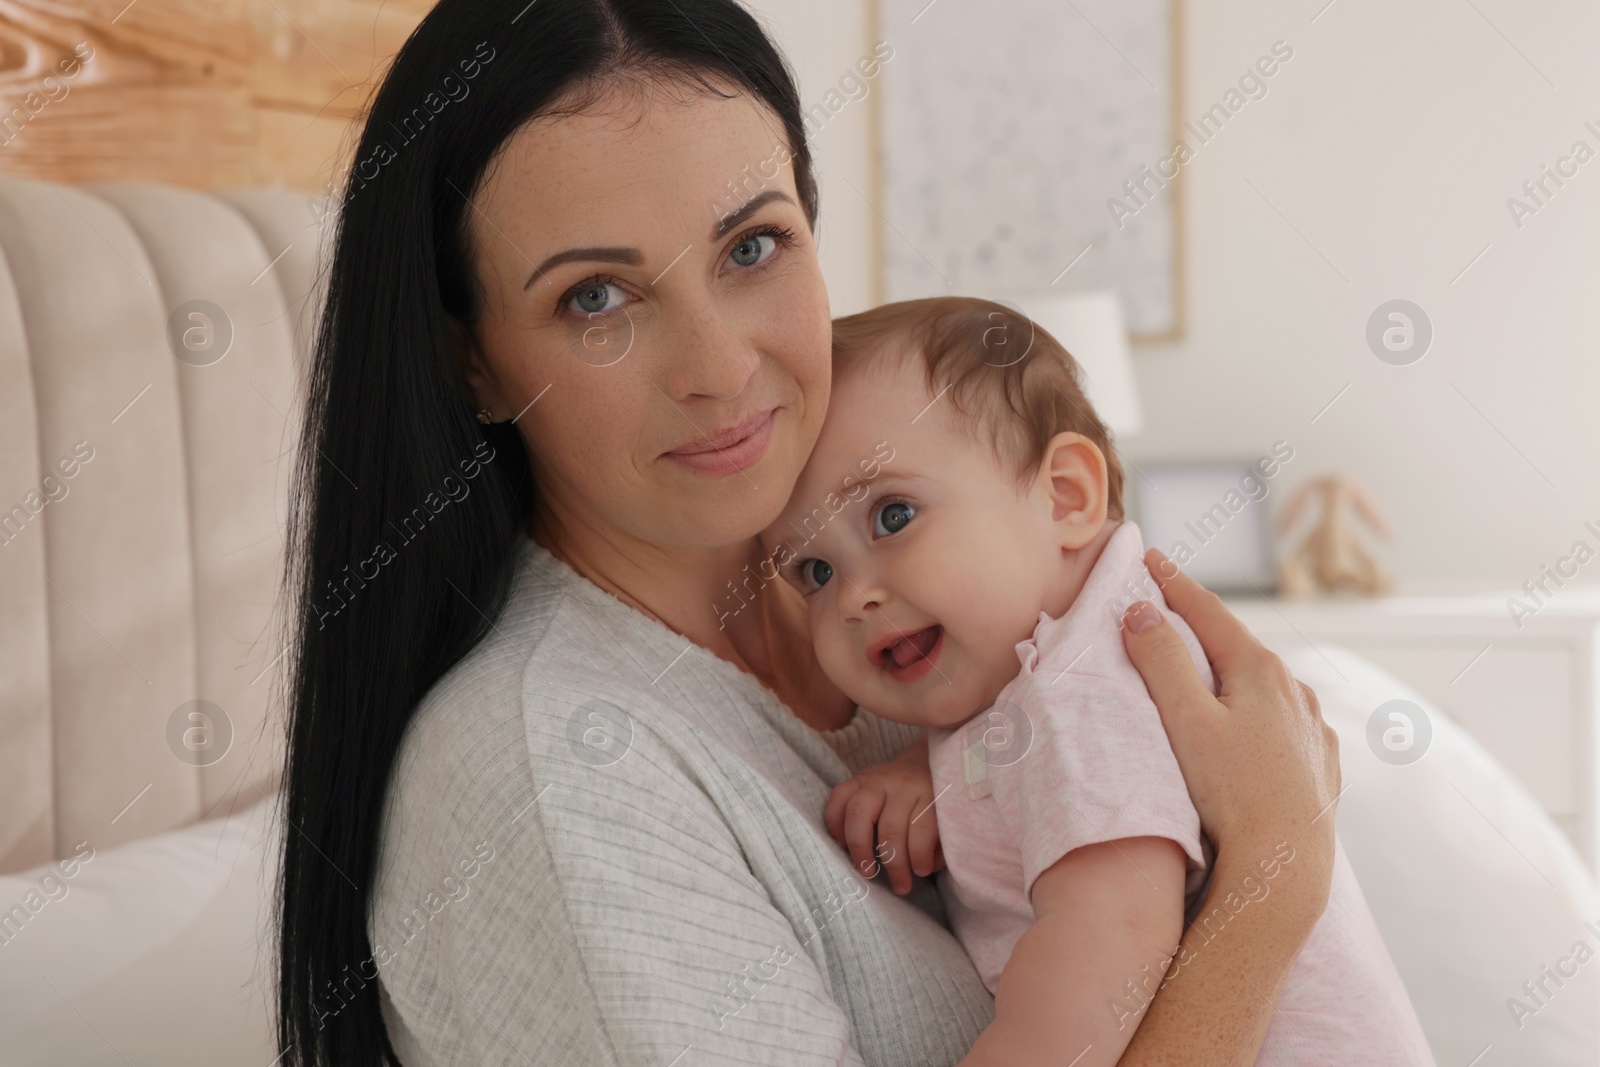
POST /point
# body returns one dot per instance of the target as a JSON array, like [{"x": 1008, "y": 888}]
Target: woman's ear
[
  {"x": 482, "y": 387},
  {"x": 1072, "y": 476}
]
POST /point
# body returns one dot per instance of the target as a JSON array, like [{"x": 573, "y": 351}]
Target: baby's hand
[{"x": 884, "y": 817}]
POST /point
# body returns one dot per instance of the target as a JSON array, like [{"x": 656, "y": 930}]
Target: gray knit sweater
[{"x": 604, "y": 846}]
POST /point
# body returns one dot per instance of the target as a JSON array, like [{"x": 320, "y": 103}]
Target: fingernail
[
  {"x": 1141, "y": 617},
  {"x": 1166, "y": 568}
]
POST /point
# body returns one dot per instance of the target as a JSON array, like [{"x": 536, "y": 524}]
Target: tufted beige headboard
[{"x": 142, "y": 488}]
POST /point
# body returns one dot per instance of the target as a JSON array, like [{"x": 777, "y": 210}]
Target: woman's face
[{"x": 654, "y": 315}]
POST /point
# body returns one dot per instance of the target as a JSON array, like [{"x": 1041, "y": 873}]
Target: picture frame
[
  {"x": 1213, "y": 518},
  {"x": 1002, "y": 142}
]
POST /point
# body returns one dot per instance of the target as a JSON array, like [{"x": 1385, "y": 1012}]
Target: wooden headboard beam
[{"x": 198, "y": 93}]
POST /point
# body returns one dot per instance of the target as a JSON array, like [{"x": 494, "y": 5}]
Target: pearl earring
[{"x": 484, "y": 416}]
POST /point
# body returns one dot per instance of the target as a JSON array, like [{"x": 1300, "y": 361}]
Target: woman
[{"x": 558, "y": 755}]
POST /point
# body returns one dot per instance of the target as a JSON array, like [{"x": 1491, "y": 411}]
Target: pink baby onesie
[{"x": 1073, "y": 753}]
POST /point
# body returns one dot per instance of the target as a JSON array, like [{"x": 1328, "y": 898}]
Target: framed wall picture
[
  {"x": 1213, "y": 519},
  {"x": 1010, "y": 132}
]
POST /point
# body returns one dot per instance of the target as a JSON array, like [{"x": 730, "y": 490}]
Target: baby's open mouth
[{"x": 910, "y": 649}]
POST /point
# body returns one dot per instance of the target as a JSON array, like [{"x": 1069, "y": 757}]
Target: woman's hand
[
  {"x": 1260, "y": 763},
  {"x": 1263, "y": 771}
]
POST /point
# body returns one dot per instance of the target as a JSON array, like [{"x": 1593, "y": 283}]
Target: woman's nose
[{"x": 712, "y": 358}]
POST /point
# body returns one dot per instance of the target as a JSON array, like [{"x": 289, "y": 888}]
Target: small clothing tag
[{"x": 974, "y": 764}]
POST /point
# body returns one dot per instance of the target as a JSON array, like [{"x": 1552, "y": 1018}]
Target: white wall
[
  {"x": 823, "y": 40},
  {"x": 1390, "y": 142}
]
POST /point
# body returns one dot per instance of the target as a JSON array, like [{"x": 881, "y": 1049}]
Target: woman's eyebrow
[
  {"x": 633, "y": 257},
  {"x": 748, "y": 208},
  {"x": 630, "y": 256}
]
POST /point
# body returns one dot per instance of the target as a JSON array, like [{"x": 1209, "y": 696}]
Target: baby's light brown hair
[{"x": 1004, "y": 375}]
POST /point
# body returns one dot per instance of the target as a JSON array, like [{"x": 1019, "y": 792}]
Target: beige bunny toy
[{"x": 1331, "y": 558}]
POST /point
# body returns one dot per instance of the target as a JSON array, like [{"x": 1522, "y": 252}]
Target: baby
[{"x": 958, "y": 537}]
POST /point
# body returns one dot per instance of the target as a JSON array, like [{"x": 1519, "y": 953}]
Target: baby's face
[{"x": 921, "y": 561}]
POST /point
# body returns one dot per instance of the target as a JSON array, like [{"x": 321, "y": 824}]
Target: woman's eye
[
  {"x": 597, "y": 297},
  {"x": 892, "y": 518},
  {"x": 753, "y": 249},
  {"x": 816, "y": 573}
]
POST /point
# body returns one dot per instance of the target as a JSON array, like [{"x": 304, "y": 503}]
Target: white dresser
[{"x": 1528, "y": 694}]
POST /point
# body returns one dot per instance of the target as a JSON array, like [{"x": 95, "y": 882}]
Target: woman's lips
[
  {"x": 731, "y": 450},
  {"x": 913, "y": 655}
]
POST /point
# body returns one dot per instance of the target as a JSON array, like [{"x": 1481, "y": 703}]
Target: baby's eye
[
  {"x": 892, "y": 518},
  {"x": 597, "y": 297},
  {"x": 814, "y": 574}
]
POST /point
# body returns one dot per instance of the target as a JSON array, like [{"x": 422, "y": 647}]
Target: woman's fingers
[
  {"x": 1331, "y": 760},
  {"x": 1190, "y": 713},
  {"x": 1330, "y": 741},
  {"x": 1227, "y": 641},
  {"x": 1163, "y": 661},
  {"x": 1259, "y": 757}
]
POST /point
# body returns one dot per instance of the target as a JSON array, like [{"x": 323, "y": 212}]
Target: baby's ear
[{"x": 1072, "y": 476}]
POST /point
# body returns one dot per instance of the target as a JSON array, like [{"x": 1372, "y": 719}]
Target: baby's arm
[{"x": 1105, "y": 915}]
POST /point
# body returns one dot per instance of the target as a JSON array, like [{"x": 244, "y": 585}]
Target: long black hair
[{"x": 405, "y": 510}]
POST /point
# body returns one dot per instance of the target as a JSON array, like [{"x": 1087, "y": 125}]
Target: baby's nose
[{"x": 860, "y": 596}]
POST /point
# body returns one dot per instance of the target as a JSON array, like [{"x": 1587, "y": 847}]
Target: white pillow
[
  {"x": 152, "y": 952},
  {"x": 1474, "y": 888}
]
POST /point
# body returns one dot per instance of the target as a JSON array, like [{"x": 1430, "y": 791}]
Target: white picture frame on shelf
[{"x": 1213, "y": 518}]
